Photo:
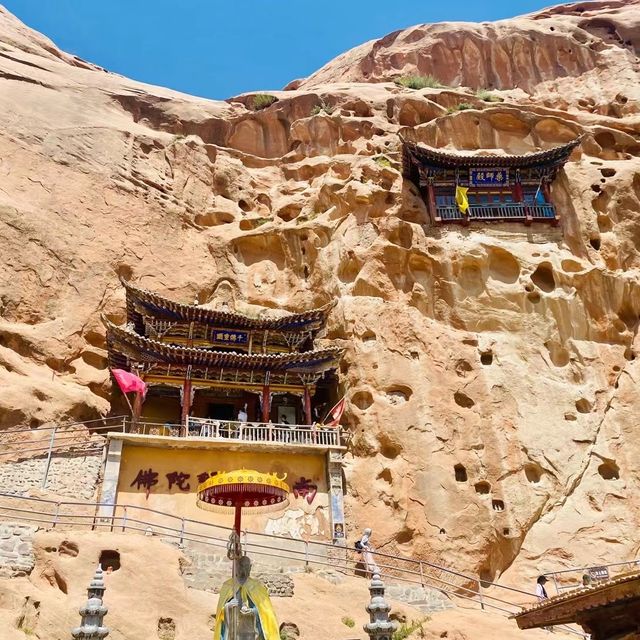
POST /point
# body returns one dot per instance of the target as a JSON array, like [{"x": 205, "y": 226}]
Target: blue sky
[{"x": 219, "y": 48}]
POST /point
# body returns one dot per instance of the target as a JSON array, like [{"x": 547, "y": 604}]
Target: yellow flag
[{"x": 461, "y": 199}]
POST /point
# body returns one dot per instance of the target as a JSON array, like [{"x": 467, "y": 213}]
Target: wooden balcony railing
[
  {"x": 246, "y": 432},
  {"x": 510, "y": 212}
]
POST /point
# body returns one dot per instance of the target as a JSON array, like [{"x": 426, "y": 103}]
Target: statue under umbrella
[{"x": 244, "y": 609}]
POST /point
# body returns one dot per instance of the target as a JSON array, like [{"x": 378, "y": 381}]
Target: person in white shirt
[
  {"x": 243, "y": 416},
  {"x": 541, "y": 592},
  {"x": 367, "y": 553}
]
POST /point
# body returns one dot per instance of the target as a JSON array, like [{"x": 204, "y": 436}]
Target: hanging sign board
[
  {"x": 599, "y": 573},
  {"x": 488, "y": 177},
  {"x": 230, "y": 337}
]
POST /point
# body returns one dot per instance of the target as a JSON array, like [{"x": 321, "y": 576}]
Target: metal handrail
[
  {"x": 307, "y": 552},
  {"x": 81, "y": 424},
  {"x": 344, "y": 564},
  {"x": 554, "y": 575}
]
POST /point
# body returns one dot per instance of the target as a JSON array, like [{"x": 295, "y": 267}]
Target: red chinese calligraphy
[
  {"x": 146, "y": 478},
  {"x": 306, "y": 489},
  {"x": 179, "y": 479}
]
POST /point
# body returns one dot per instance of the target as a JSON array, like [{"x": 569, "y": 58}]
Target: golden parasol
[{"x": 243, "y": 489}]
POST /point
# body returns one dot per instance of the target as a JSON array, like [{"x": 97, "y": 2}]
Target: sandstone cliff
[{"x": 507, "y": 351}]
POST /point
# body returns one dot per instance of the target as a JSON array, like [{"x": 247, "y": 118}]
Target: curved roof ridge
[
  {"x": 208, "y": 356},
  {"x": 431, "y": 155},
  {"x": 191, "y": 312}
]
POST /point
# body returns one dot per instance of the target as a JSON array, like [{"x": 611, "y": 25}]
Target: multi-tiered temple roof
[{"x": 235, "y": 362}]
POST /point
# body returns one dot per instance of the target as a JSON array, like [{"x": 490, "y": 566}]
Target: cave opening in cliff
[
  {"x": 109, "y": 560},
  {"x": 460, "y": 473}
]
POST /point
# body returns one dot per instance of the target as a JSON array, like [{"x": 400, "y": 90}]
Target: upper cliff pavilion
[{"x": 498, "y": 188}]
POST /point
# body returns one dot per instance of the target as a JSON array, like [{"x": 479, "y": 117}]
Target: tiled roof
[
  {"x": 141, "y": 302},
  {"x": 600, "y": 594},
  {"x": 125, "y": 341},
  {"x": 413, "y": 153}
]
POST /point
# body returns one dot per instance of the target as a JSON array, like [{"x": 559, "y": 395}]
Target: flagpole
[
  {"x": 324, "y": 422},
  {"x": 126, "y": 397}
]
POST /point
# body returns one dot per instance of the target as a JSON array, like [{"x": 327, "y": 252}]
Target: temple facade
[
  {"x": 498, "y": 188},
  {"x": 225, "y": 391},
  {"x": 202, "y": 364}
]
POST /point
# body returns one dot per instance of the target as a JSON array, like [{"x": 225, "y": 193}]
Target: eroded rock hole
[
  {"x": 68, "y": 548},
  {"x": 486, "y": 358},
  {"x": 482, "y": 487},
  {"x": 533, "y": 297},
  {"x": 533, "y": 473},
  {"x": 463, "y": 367},
  {"x": 558, "y": 354},
  {"x": 583, "y": 405},
  {"x": 595, "y": 243},
  {"x": 497, "y": 505},
  {"x": 629, "y": 354},
  {"x": 399, "y": 394},
  {"x": 368, "y": 336},
  {"x": 543, "y": 277},
  {"x": 166, "y": 629},
  {"x": 460, "y": 473},
  {"x": 503, "y": 266},
  {"x": 506, "y": 531},
  {"x": 389, "y": 448},
  {"x": 609, "y": 470},
  {"x": 109, "y": 560},
  {"x": 362, "y": 399},
  {"x": 463, "y": 400},
  {"x": 244, "y": 205}
]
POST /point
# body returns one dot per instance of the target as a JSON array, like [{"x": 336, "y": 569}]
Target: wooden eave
[
  {"x": 414, "y": 156},
  {"x": 141, "y": 302},
  {"x": 141, "y": 349},
  {"x": 568, "y": 607}
]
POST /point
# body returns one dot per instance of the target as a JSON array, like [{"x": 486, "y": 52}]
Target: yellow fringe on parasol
[{"x": 246, "y": 488}]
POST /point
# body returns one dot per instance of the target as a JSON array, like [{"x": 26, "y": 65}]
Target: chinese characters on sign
[
  {"x": 148, "y": 478},
  {"x": 306, "y": 489},
  {"x": 230, "y": 337},
  {"x": 488, "y": 177},
  {"x": 179, "y": 479}
]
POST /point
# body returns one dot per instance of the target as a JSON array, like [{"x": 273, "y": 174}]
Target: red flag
[
  {"x": 336, "y": 413},
  {"x": 129, "y": 382}
]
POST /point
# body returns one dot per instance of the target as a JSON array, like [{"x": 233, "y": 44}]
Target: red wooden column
[
  {"x": 431, "y": 203},
  {"x": 266, "y": 400},
  {"x": 136, "y": 411},
  {"x": 307, "y": 405},
  {"x": 186, "y": 402}
]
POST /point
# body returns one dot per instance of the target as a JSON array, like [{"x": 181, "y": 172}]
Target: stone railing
[
  {"x": 517, "y": 212},
  {"x": 249, "y": 432}
]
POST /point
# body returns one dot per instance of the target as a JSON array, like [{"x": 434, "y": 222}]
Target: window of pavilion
[
  {"x": 500, "y": 188},
  {"x": 223, "y": 365}
]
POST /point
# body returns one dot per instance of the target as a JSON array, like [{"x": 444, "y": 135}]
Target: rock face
[{"x": 490, "y": 372}]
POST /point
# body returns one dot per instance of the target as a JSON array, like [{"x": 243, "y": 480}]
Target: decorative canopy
[
  {"x": 141, "y": 303},
  {"x": 140, "y": 349},
  {"x": 422, "y": 155},
  {"x": 243, "y": 488}
]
